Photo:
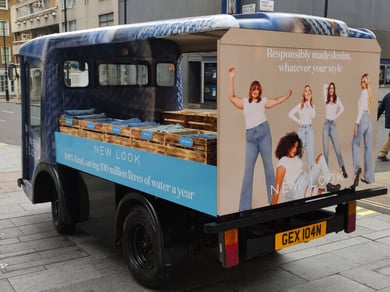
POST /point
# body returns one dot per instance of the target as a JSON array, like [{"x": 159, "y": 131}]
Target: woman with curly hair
[{"x": 291, "y": 179}]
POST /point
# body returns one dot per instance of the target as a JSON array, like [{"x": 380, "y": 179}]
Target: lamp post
[
  {"x": 65, "y": 17},
  {"x": 125, "y": 13},
  {"x": 5, "y": 64},
  {"x": 326, "y": 9}
]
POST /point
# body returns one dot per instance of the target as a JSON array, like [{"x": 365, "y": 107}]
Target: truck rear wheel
[{"x": 143, "y": 248}]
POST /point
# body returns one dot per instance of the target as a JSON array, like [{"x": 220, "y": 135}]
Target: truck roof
[{"x": 206, "y": 26}]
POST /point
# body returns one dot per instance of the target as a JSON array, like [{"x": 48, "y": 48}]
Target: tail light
[
  {"x": 228, "y": 248},
  {"x": 350, "y": 225}
]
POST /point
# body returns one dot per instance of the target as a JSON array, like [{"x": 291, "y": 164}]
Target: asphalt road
[{"x": 10, "y": 123}]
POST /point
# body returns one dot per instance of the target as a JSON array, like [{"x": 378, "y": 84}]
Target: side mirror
[{"x": 12, "y": 72}]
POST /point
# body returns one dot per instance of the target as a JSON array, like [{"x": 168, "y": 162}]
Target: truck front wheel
[
  {"x": 143, "y": 248},
  {"x": 56, "y": 209}
]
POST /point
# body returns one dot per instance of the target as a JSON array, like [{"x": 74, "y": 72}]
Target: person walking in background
[
  {"x": 258, "y": 136},
  {"x": 290, "y": 176},
  {"x": 303, "y": 113},
  {"x": 363, "y": 130},
  {"x": 384, "y": 106},
  {"x": 334, "y": 108}
]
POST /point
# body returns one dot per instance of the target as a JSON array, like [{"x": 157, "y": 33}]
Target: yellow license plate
[{"x": 302, "y": 234}]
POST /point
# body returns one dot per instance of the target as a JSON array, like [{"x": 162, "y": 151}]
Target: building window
[
  {"x": 2, "y": 83},
  {"x": 4, "y": 86},
  {"x": 72, "y": 26},
  {"x": 5, "y": 55},
  {"x": 69, "y": 4},
  {"x": 3, "y": 4},
  {"x": 106, "y": 19},
  {"x": 4, "y": 28},
  {"x": 38, "y": 4}
]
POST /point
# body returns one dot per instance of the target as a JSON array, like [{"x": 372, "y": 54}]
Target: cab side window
[
  {"x": 76, "y": 74},
  {"x": 123, "y": 75},
  {"x": 165, "y": 74},
  {"x": 35, "y": 95}
]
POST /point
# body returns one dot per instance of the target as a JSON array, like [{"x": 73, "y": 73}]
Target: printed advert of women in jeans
[
  {"x": 334, "y": 108},
  {"x": 363, "y": 130},
  {"x": 291, "y": 180},
  {"x": 303, "y": 113},
  {"x": 258, "y": 136}
]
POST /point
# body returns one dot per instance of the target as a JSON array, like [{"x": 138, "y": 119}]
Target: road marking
[
  {"x": 8, "y": 112},
  {"x": 2, "y": 144},
  {"x": 364, "y": 212}
]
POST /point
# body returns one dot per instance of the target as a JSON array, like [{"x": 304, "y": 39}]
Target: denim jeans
[
  {"x": 306, "y": 184},
  {"x": 364, "y": 131},
  {"x": 306, "y": 134},
  {"x": 258, "y": 141},
  {"x": 329, "y": 131}
]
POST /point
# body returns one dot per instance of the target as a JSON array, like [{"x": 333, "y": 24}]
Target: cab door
[{"x": 31, "y": 116}]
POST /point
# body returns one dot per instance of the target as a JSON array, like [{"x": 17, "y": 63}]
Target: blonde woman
[
  {"x": 303, "y": 113},
  {"x": 363, "y": 130}
]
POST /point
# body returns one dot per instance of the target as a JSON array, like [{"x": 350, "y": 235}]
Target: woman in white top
[
  {"x": 258, "y": 136},
  {"x": 363, "y": 130},
  {"x": 334, "y": 108},
  {"x": 303, "y": 113},
  {"x": 291, "y": 179}
]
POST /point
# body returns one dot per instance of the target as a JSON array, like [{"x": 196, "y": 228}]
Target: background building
[
  {"x": 7, "y": 87},
  {"x": 370, "y": 14},
  {"x": 32, "y": 18},
  {"x": 26, "y": 19},
  {"x": 78, "y": 15}
]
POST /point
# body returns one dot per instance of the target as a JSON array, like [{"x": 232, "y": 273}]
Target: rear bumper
[{"x": 290, "y": 209}]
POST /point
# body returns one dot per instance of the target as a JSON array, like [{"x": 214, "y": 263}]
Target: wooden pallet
[
  {"x": 118, "y": 130},
  {"x": 69, "y": 126},
  {"x": 117, "y": 134},
  {"x": 117, "y": 139},
  {"x": 201, "y": 120},
  {"x": 146, "y": 139},
  {"x": 178, "y": 144},
  {"x": 69, "y": 130},
  {"x": 94, "y": 135},
  {"x": 97, "y": 125},
  {"x": 193, "y": 148}
]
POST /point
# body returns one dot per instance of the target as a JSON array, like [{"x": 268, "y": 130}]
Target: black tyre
[
  {"x": 56, "y": 209},
  {"x": 143, "y": 249}
]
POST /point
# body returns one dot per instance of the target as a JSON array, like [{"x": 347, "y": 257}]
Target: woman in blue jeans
[
  {"x": 334, "y": 108},
  {"x": 303, "y": 114},
  {"x": 258, "y": 136},
  {"x": 363, "y": 130}
]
